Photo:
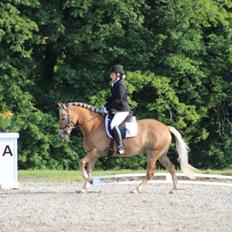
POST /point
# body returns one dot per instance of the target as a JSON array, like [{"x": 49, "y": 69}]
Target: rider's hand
[{"x": 103, "y": 110}]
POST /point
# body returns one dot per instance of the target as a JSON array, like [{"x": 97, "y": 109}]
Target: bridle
[{"x": 67, "y": 129}]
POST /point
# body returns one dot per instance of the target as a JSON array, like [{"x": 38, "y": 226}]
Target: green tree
[
  {"x": 39, "y": 147},
  {"x": 177, "y": 55},
  {"x": 193, "y": 49}
]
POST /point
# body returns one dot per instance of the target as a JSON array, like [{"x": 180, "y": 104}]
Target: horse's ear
[{"x": 61, "y": 105}]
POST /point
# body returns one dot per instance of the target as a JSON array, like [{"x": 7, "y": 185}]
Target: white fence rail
[{"x": 203, "y": 179}]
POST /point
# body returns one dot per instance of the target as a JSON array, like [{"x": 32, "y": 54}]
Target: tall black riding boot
[{"x": 118, "y": 138}]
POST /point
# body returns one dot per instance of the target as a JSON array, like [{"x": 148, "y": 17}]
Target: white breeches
[{"x": 118, "y": 118}]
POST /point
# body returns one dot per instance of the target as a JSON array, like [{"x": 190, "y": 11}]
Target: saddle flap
[{"x": 128, "y": 128}]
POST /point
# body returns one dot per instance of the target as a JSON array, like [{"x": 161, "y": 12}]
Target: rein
[{"x": 88, "y": 120}]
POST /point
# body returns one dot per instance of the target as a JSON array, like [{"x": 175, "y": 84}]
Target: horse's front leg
[
  {"x": 90, "y": 167},
  {"x": 88, "y": 182},
  {"x": 88, "y": 160}
]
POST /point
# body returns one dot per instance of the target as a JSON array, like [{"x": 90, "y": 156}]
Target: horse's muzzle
[{"x": 62, "y": 134}]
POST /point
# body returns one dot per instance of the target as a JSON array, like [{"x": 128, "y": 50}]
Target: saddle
[{"x": 128, "y": 127}]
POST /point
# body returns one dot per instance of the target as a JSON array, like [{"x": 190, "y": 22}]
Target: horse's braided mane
[{"x": 83, "y": 105}]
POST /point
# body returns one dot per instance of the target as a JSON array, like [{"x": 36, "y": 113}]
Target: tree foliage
[{"x": 177, "y": 54}]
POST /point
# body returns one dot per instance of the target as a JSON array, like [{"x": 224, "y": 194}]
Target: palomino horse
[{"x": 153, "y": 137}]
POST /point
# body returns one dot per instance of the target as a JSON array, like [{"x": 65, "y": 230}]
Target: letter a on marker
[{"x": 7, "y": 151}]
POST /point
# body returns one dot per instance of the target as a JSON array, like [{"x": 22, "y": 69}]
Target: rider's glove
[{"x": 103, "y": 110}]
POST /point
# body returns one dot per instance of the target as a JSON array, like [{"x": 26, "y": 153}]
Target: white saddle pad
[{"x": 131, "y": 127}]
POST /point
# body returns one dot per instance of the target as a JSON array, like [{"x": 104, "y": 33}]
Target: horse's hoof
[
  {"x": 173, "y": 190},
  {"x": 91, "y": 181},
  {"x": 82, "y": 191},
  {"x": 135, "y": 191}
]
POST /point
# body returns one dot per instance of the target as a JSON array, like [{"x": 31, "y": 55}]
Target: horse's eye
[{"x": 63, "y": 119}]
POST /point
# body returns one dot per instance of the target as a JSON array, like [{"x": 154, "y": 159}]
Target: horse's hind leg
[
  {"x": 164, "y": 160},
  {"x": 152, "y": 157}
]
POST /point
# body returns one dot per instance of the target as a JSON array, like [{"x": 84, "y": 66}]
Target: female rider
[{"x": 117, "y": 104}]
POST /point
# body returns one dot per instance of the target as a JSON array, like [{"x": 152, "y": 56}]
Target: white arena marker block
[{"x": 9, "y": 160}]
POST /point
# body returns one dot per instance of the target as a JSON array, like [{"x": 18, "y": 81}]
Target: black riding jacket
[{"x": 118, "y": 100}]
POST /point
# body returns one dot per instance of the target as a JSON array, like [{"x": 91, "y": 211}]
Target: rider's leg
[
  {"x": 118, "y": 139},
  {"x": 118, "y": 118}
]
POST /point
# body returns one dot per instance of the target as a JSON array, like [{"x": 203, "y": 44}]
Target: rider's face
[{"x": 113, "y": 76}]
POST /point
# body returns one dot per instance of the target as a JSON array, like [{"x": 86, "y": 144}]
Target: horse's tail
[{"x": 182, "y": 150}]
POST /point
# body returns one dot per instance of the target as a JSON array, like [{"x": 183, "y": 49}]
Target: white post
[{"x": 9, "y": 160}]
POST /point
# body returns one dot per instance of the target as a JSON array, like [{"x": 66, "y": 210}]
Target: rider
[{"x": 117, "y": 104}]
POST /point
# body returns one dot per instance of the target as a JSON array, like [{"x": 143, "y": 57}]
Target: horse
[{"x": 153, "y": 138}]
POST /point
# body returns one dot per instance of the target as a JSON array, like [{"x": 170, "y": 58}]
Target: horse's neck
[{"x": 87, "y": 119}]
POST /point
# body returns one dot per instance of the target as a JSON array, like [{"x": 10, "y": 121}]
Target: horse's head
[{"x": 67, "y": 121}]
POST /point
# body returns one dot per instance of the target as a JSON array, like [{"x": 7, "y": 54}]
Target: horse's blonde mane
[{"x": 86, "y": 106}]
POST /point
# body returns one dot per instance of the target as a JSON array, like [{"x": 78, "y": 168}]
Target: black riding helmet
[{"x": 117, "y": 68}]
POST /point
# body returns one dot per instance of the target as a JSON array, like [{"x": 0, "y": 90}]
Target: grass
[
  {"x": 60, "y": 176},
  {"x": 218, "y": 172}
]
